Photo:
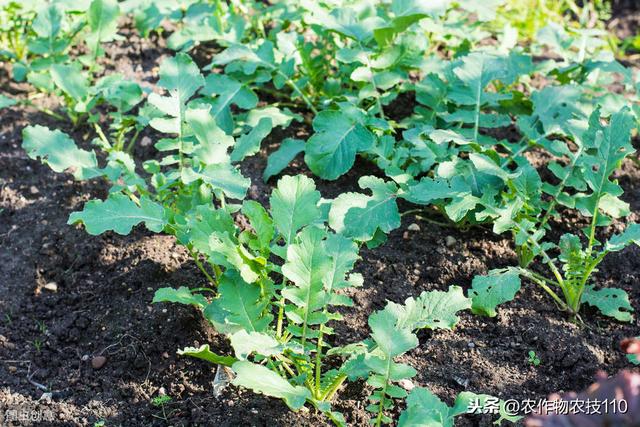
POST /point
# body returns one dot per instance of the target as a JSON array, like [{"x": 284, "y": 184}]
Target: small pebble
[
  {"x": 12, "y": 369},
  {"x": 162, "y": 391},
  {"x": 10, "y": 346},
  {"x": 165, "y": 355},
  {"x": 464, "y": 382},
  {"x": 416, "y": 272},
  {"x": 33, "y": 189},
  {"x": 51, "y": 286},
  {"x": 85, "y": 357},
  {"x": 413, "y": 227},
  {"x": 470, "y": 344},
  {"x": 406, "y": 384},
  {"x": 450, "y": 241},
  {"x": 405, "y": 235},
  {"x": 98, "y": 362}
]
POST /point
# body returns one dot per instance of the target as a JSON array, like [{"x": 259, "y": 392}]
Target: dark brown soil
[{"x": 102, "y": 305}]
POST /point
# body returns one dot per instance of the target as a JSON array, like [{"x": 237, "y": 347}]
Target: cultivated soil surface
[{"x": 100, "y": 304}]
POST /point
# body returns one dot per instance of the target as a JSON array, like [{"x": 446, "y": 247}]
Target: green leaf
[
  {"x": 181, "y": 295},
  {"x": 5, "y": 101},
  {"x": 228, "y": 91},
  {"x": 425, "y": 409},
  {"x": 358, "y": 216},
  {"x": 203, "y": 222},
  {"x": 240, "y": 304},
  {"x": 204, "y": 353},
  {"x": 120, "y": 214},
  {"x": 71, "y": 80},
  {"x": 611, "y": 302},
  {"x": 260, "y": 221},
  {"x": 630, "y": 235},
  {"x": 240, "y": 53},
  {"x": 475, "y": 72},
  {"x": 234, "y": 254},
  {"x": 213, "y": 141},
  {"x": 432, "y": 310},
  {"x": 57, "y": 149},
  {"x": 467, "y": 399},
  {"x": 279, "y": 117},
  {"x": 405, "y": 13},
  {"x": 306, "y": 266},
  {"x": 221, "y": 176},
  {"x": 294, "y": 204},
  {"x": 102, "y": 18},
  {"x": 331, "y": 150},
  {"x": 245, "y": 343},
  {"x": 279, "y": 159},
  {"x": 391, "y": 338},
  {"x": 122, "y": 94},
  {"x": 485, "y": 10},
  {"x": 344, "y": 254},
  {"x": 181, "y": 77},
  {"x": 556, "y": 107},
  {"x": 47, "y": 24},
  {"x": 346, "y": 22},
  {"x": 486, "y": 165},
  {"x": 249, "y": 143},
  {"x": 262, "y": 380},
  {"x": 429, "y": 190},
  {"x": 606, "y": 147},
  {"x": 489, "y": 291}
]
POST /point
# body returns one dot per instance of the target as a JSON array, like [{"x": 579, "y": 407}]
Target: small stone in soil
[
  {"x": 46, "y": 397},
  {"x": 405, "y": 235},
  {"x": 470, "y": 344},
  {"x": 413, "y": 227},
  {"x": 450, "y": 241},
  {"x": 462, "y": 381},
  {"x": 98, "y": 362},
  {"x": 12, "y": 369},
  {"x": 51, "y": 286},
  {"x": 406, "y": 384}
]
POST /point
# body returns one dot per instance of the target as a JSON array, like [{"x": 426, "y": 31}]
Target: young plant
[
  {"x": 393, "y": 333},
  {"x": 15, "y": 21},
  {"x": 533, "y": 359},
  {"x": 161, "y": 402},
  {"x": 585, "y": 184},
  {"x": 276, "y": 317}
]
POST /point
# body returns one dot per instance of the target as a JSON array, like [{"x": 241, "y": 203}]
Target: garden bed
[{"x": 67, "y": 297}]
